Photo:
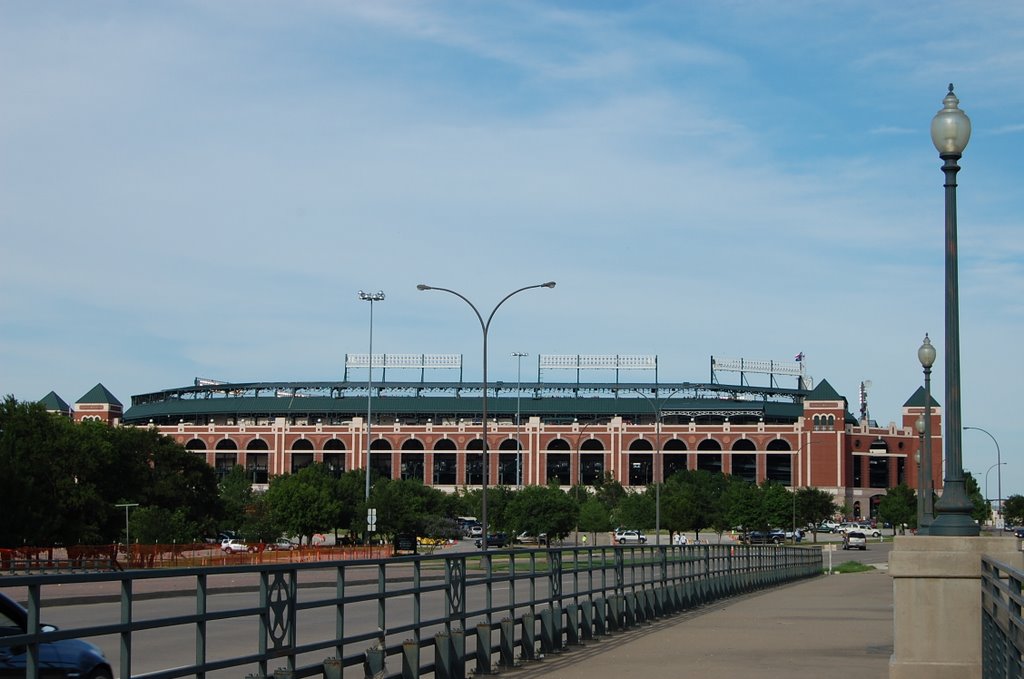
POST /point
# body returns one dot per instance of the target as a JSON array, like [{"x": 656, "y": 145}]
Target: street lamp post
[
  {"x": 127, "y": 538},
  {"x": 999, "y": 477},
  {"x": 950, "y": 131},
  {"x": 519, "y": 392},
  {"x": 987, "y": 498},
  {"x": 657, "y": 452},
  {"x": 920, "y": 425},
  {"x": 484, "y": 327},
  {"x": 926, "y": 355},
  {"x": 371, "y": 298}
]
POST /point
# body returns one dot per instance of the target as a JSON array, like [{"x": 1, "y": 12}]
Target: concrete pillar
[{"x": 937, "y": 603}]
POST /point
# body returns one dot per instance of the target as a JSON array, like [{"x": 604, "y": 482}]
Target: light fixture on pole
[
  {"x": 655, "y": 477},
  {"x": 484, "y": 327},
  {"x": 951, "y": 130},
  {"x": 370, "y": 297},
  {"x": 926, "y": 355},
  {"x": 988, "y": 500},
  {"x": 519, "y": 392},
  {"x": 127, "y": 538},
  {"x": 999, "y": 477}
]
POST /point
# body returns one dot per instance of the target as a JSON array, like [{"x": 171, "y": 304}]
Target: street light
[
  {"x": 127, "y": 538},
  {"x": 926, "y": 355},
  {"x": 519, "y": 392},
  {"x": 484, "y": 327},
  {"x": 987, "y": 499},
  {"x": 951, "y": 130},
  {"x": 657, "y": 451},
  {"x": 371, "y": 298},
  {"x": 999, "y": 477}
]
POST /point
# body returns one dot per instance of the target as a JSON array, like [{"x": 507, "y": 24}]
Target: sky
[{"x": 201, "y": 189}]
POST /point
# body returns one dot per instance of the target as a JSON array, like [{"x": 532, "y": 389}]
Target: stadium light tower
[
  {"x": 518, "y": 355},
  {"x": 484, "y": 327},
  {"x": 370, "y": 297}
]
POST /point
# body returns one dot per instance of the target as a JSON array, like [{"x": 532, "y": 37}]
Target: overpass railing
[
  {"x": 1002, "y": 628},
  {"x": 439, "y": 615}
]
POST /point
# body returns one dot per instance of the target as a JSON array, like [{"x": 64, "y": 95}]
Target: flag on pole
[{"x": 799, "y": 357}]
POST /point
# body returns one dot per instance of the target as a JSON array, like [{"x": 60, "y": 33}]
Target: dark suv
[
  {"x": 760, "y": 537},
  {"x": 493, "y": 540}
]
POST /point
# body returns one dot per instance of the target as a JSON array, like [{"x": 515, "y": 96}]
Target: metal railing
[
  {"x": 401, "y": 617},
  {"x": 1002, "y": 628}
]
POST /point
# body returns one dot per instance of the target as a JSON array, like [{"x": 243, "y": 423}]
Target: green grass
[{"x": 851, "y": 567}]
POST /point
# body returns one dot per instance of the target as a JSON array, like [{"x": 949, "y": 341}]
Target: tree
[
  {"x": 1013, "y": 510},
  {"x": 407, "y": 506},
  {"x": 899, "y": 506},
  {"x": 236, "y": 496},
  {"x": 304, "y": 503},
  {"x": 692, "y": 500},
  {"x": 636, "y": 509},
  {"x": 543, "y": 509},
  {"x": 982, "y": 511},
  {"x": 594, "y": 516},
  {"x": 609, "y": 491},
  {"x": 814, "y": 506},
  {"x": 60, "y": 480}
]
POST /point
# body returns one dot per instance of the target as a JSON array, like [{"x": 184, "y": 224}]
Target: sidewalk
[{"x": 834, "y": 626}]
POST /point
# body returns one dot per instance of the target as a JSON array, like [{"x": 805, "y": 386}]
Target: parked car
[
  {"x": 869, "y": 530},
  {"x": 235, "y": 546},
  {"x": 855, "y": 539},
  {"x": 475, "y": 530},
  {"x": 827, "y": 527},
  {"x": 630, "y": 537},
  {"x": 282, "y": 545},
  {"x": 526, "y": 539},
  {"x": 762, "y": 537},
  {"x": 64, "y": 658},
  {"x": 493, "y": 540}
]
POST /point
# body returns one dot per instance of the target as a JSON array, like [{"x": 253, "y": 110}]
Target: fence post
[
  {"x": 373, "y": 663},
  {"x": 506, "y": 643},
  {"x": 458, "y": 653},
  {"x": 483, "y": 648},
  {"x": 572, "y": 625},
  {"x": 529, "y": 638},
  {"x": 587, "y": 620},
  {"x": 442, "y": 657},
  {"x": 600, "y": 616},
  {"x": 332, "y": 668},
  {"x": 410, "y": 659}
]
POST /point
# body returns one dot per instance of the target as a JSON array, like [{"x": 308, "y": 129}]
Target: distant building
[{"x": 571, "y": 432}]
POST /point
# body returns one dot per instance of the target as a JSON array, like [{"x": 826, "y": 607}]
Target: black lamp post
[
  {"x": 921, "y": 485},
  {"x": 926, "y": 354},
  {"x": 485, "y": 326},
  {"x": 951, "y": 130}
]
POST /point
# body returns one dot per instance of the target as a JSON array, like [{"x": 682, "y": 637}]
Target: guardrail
[
  {"x": 420, "y": 615},
  {"x": 1002, "y": 628}
]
